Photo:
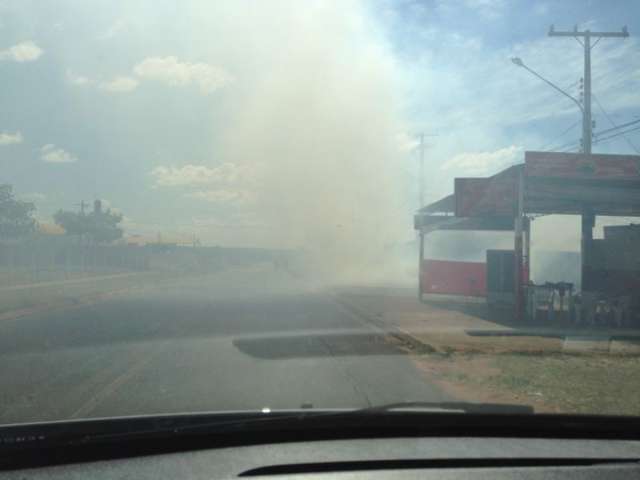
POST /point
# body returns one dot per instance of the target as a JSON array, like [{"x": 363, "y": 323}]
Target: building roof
[{"x": 444, "y": 205}]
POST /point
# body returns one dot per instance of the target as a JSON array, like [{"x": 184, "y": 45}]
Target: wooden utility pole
[
  {"x": 83, "y": 205},
  {"x": 587, "y": 218},
  {"x": 421, "y": 172},
  {"x": 584, "y": 38},
  {"x": 421, "y": 204}
]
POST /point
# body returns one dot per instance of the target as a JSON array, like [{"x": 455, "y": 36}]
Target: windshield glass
[{"x": 209, "y": 206}]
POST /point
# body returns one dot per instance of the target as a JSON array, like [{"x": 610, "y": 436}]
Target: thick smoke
[{"x": 317, "y": 128}]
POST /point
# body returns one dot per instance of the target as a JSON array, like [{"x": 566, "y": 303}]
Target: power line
[
  {"x": 631, "y": 144},
  {"x": 600, "y": 140},
  {"x": 622, "y": 125},
  {"x": 586, "y": 37},
  {"x": 567, "y": 146},
  {"x": 544, "y": 149},
  {"x": 570, "y": 149}
]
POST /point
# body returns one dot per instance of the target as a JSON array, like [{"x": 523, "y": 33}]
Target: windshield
[{"x": 212, "y": 206}]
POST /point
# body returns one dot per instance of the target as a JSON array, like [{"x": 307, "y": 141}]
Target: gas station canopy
[
  {"x": 588, "y": 185},
  {"x": 553, "y": 183},
  {"x": 575, "y": 183}
]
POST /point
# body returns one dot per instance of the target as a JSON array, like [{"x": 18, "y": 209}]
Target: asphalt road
[{"x": 234, "y": 340}]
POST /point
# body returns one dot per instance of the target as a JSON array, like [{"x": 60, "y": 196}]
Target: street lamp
[
  {"x": 586, "y": 128},
  {"x": 518, "y": 61}
]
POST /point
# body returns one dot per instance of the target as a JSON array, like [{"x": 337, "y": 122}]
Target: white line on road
[
  {"x": 72, "y": 281},
  {"x": 111, "y": 387}
]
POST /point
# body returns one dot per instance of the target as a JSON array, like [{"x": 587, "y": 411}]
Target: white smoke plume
[{"x": 317, "y": 125}]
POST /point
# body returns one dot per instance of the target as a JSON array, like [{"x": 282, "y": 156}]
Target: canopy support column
[
  {"x": 586, "y": 243},
  {"x": 420, "y": 263},
  {"x": 518, "y": 248}
]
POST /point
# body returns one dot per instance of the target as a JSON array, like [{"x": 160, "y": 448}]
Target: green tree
[
  {"x": 103, "y": 226},
  {"x": 73, "y": 223},
  {"x": 99, "y": 226},
  {"x": 16, "y": 216}
]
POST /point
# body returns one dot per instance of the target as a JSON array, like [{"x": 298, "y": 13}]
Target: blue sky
[
  {"x": 463, "y": 87},
  {"x": 238, "y": 121}
]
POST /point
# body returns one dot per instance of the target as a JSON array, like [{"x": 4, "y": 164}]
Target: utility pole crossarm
[
  {"x": 623, "y": 34},
  {"x": 587, "y": 35}
]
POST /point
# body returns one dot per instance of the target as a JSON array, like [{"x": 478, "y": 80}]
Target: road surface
[{"x": 234, "y": 340}]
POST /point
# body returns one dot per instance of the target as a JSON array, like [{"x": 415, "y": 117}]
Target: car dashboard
[{"x": 395, "y": 458}]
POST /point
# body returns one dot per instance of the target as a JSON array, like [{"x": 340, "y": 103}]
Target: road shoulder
[{"x": 471, "y": 358}]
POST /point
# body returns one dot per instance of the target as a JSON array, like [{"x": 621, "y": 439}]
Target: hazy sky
[{"x": 288, "y": 123}]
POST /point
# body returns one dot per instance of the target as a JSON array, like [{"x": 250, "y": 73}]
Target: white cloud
[
  {"x": 484, "y": 163},
  {"x": 22, "y": 52},
  {"x": 197, "y": 175},
  {"x": 226, "y": 184},
  {"x": 222, "y": 196},
  {"x": 168, "y": 70},
  {"x": 79, "y": 80},
  {"x": 121, "y": 84},
  {"x": 7, "y": 138},
  {"x": 171, "y": 71},
  {"x": 52, "y": 154}
]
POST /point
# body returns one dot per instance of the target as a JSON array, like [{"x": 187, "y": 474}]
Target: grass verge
[{"x": 556, "y": 383}]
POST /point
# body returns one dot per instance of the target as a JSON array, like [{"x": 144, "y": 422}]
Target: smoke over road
[{"x": 314, "y": 132}]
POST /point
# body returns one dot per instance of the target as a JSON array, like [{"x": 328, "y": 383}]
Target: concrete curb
[
  {"x": 406, "y": 338},
  {"x": 498, "y": 341}
]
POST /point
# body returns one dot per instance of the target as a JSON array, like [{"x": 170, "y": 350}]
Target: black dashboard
[{"x": 396, "y": 458}]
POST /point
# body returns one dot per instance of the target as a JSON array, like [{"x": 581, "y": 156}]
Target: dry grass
[{"x": 586, "y": 384}]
